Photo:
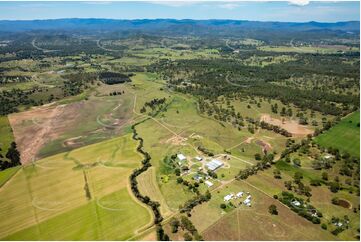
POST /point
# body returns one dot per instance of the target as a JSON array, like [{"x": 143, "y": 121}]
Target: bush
[
  {"x": 324, "y": 226},
  {"x": 223, "y": 206}
]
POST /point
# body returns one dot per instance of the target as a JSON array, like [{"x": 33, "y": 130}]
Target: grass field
[
  {"x": 86, "y": 189},
  {"x": 5, "y": 175},
  {"x": 344, "y": 136},
  {"x": 6, "y": 135}
]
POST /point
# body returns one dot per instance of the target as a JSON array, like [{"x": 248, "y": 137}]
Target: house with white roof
[
  {"x": 239, "y": 195},
  {"x": 208, "y": 183},
  {"x": 181, "y": 157}
]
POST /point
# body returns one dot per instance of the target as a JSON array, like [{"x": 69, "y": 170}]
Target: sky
[{"x": 284, "y": 11}]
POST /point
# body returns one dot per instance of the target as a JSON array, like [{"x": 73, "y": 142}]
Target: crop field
[
  {"x": 344, "y": 136},
  {"x": 82, "y": 189}
]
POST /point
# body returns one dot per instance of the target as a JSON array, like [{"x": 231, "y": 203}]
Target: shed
[
  {"x": 208, "y": 183},
  {"x": 181, "y": 157}
]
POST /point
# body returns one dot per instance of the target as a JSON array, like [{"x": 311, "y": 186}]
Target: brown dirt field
[
  {"x": 36, "y": 128},
  {"x": 152, "y": 236},
  {"x": 265, "y": 146},
  {"x": 53, "y": 121},
  {"x": 291, "y": 126}
]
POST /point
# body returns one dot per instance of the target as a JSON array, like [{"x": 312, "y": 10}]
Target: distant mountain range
[
  {"x": 108, "y": 28},
  {"x": 144, "y": 24}
]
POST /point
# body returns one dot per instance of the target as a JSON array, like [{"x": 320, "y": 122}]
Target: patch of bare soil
[
  {"x": 265, "y": 146},
  {"x": 344, "y": 203},
  {"x": 50, "y": 123},
  {"x": 72, "y": 142},
  {"x": 291, "y": 126},
  {"x": 176, "y": 140}
]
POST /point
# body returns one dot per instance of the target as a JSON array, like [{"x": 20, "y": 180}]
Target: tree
[
  {"x": 257, "y": 156},
  {"x": 174, "y": 225},
  {"x": 272, "y": 209},
  {"x": 334, "y": 187},
  {"x": 187, "y": 237},
  {"x": 297, "y": 162},
  {"x": 325, "y": 176},
  {"x": 223, "y": 206},
  {"x": 13, "y": 155},
  {"x": 277, "y": 174}
]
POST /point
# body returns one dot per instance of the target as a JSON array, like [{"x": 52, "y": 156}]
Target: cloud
[
  {"x": 98, "y": 2},
  {"x": 299, "y": 2},
  {"x": 174, "y": 3},
  {"x": 229, "y": 6}
]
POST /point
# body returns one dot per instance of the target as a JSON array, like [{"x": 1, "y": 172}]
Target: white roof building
[
  {"x": 181, "y": 157},
  {"x": 198, "y": 158},
  {"x": 296, "y": 203},
  {"x": 214, "y": 164},
  {"x": 208, "y": 183},
  {"x": 249, "y": 197},
  {"x": 228, "y": 197},
  {"x": 247, "y": 202},
  {"x": 240, "y": 194}
]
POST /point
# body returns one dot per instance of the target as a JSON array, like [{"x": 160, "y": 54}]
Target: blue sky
[{"x": 294, "y": 10}]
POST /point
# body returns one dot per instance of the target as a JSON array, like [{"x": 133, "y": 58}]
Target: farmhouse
[
  {"x": 197, "y": 177},
  {"x": 296, "y": 203},
  {"x": 214, "y": 164},
  {"x": 239, "y": 195},
  {"x": 208, "y": 183},
  {"x": 228, "y": 197},
  {"x": 247, "y": 202},
  {"x": 181, "y": 157}
]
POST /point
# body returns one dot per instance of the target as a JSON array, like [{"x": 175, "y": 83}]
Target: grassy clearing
[
  {"x": 344, "y": 136},
  {"x": 6, "y": 175}
]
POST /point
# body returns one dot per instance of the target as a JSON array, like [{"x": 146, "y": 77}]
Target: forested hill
[{"x": 179, "y": 27}]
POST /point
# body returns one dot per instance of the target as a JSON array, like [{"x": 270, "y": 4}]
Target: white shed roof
[{"x": 181, "y": 157}]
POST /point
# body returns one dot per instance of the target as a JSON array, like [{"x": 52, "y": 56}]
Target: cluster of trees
[
  {"x": 266, "y": 163},
  {"x": 134, "y": 187},
  {"x": 13, "y": 157},
  {"x": 112, "y": 78},
  {"x": 275, "y": 128},
  {"x": 153, "y": 104},
  {"x": 298, "y": 186},
  {"x": 199, "y": 199},
  {"x": 205, "y": 151},
  {"x": 304, "y": 209},
  {"x": 186, "y": 224},
  {"x": 208, "y": 81},
  {"x": 116, "y": 93}
]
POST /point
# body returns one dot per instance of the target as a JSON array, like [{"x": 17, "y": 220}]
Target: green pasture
[{"x": 344, "y": 136}]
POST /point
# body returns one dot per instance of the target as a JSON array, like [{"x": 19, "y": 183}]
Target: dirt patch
[
  {"x": 265, "y": 146},
  {"x": 176, "y": 140},
  {"x": 344, "y": 203},
  {"x": 50, "y": 123},
  {"x": 72, "y": 142},
  {"x": 36, "y": 128},
  {"x": 248, "y": 140},
  {"x": 291, "y": 126}
]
